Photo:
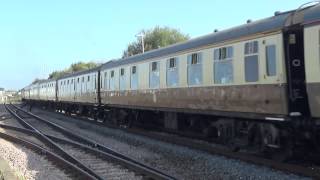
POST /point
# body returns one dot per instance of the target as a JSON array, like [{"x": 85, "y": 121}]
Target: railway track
[
  {"x": 70, "y": 169},
  {"x": 286, "y": 167},
  {"x": 94, "y": 159}
]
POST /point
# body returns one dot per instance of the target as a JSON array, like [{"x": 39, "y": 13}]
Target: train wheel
[
  {"x": 273, "y": 146},
  {"x": 225, "y": 132}
]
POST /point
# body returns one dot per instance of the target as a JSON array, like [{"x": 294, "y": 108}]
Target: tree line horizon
[{"x": 154, "y": 38}]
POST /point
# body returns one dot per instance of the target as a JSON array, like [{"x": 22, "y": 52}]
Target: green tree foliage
[
  {"x": 35, "y": 80},
  {"x": 154, "y": 39},
  {"x": 73, "y": 68}
]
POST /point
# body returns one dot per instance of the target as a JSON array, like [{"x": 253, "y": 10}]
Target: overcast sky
[{"x": 37, "y": 37}]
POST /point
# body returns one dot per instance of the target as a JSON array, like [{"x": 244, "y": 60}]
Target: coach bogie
[{"x": 171, "y": 120}]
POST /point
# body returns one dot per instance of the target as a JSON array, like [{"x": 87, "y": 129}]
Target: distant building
[
  {"x": 2, "y": 95},
  {"x": 7, "y": 95}
]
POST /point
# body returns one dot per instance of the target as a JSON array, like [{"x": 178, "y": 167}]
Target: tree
[
  {"x": 73, "y": 68},
  {"x": 154, "y": 39},
  {"x": 35, "y": 80}
]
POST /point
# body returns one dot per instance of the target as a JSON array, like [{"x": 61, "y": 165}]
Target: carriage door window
[
  {"x": 251, "y": 64},
  {"x": 195, "y": 69},
  {"x": 112, "y": 80},
  {"x": 154, "y": 75},
  {"x": 74, "y": 84},
  {"x": 223, "y": 68},
  {"x": 105, "y": 80},
  {"x": 82, "y": 85},
  {"x": 134, "y": 78},
  {"x": 172, "y": 72},
  {"x": 271, "y": 60},
  {"x": 123, "y": 79}
]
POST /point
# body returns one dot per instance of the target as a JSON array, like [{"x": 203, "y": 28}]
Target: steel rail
[
  {"x": 77, "y": 173},
  {"x": 72, "y": 143},
  {"x": 135, "y": 165},
  {"x": 54, "y": 146},
  {"x": 286, "y": 167}
]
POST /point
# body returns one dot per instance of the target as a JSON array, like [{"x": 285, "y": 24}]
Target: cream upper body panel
[
  {"x": 312, "y": 53},
  {"x": 207, "y": 63},
  {"x": 312, "y": 66}
]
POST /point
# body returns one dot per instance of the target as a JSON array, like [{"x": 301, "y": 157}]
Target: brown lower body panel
[
  {"x": 314, "y": 99},
  {"x": 90, "y": 98},
  {"x": 264, "y": 99}
]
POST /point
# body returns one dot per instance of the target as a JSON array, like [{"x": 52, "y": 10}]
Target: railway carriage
[
  {"x": 259, "y": 81},
  {"x": 233, "y": 76},
  {"x": 78, "y": 91},
  {"x": 25, "y": 93},
  {"x": 34, "y": 91},
  {"x": 47, "y": 90}
]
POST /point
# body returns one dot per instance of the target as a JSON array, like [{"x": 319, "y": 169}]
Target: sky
[{"x": 38, "y": 37}]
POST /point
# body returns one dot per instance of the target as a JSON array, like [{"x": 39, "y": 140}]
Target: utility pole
[{"x": 141, "y": 35}]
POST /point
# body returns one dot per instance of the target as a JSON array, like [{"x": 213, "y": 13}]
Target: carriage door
[{"x": 294, "y": 53}]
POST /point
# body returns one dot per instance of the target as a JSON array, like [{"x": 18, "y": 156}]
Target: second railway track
[{"x": 95, "y": 159}]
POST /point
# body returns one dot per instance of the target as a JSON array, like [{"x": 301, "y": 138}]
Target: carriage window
[
  {"x": 123, "y": 79},
  {"x": 82, "y": 79},
  {"x": 223, "y": 65},
  {"x": 122, "y": 71},
  {"x": 88, "y": 78},
  {"x": 194, "y": 58},
  {"x": 112, "y": 81},
  {"x": 172, "y": 62},
  {"x": 251, "y": 62},
  {"x": 134, "y": 69},
  {"x": 271, "y": 60},
  {"x": 154, "y": 75},
  {"x": 195, "y": 69},
  {"x": 251, "y": 47},
  {"x": 68, "y": 82},
  {"x": 105, "y": 80},
  {"x": 78, "y": 80},
  {"x": 134, "y": 78},
  {"x": 172, "y": 72}
]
